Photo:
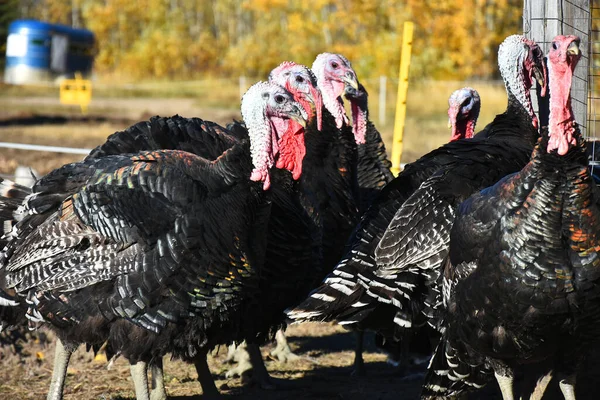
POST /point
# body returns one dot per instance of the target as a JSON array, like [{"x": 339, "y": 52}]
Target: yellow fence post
[
  {"x": 76, "y": 92},
  {"x": 401, "y": 99}
]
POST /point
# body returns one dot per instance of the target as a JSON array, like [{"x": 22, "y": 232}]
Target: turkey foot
[
  {"x": 260, "y": 375},
  {"x": 282, "y": 351},
  {"x": 158, "y": 391},
  {"x": 209, "y": 389},
  {"x": 359, "y": 363},
  {"x": 232, "y": 352},
  {"x": 243, "y": 369}
]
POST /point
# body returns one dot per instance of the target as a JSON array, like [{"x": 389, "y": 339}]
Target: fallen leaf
[{"x": 100, "y": 358}]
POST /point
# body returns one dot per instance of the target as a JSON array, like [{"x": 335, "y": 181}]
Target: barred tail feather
[
  {"x": 332, "y": 301},
  {"x": 12, "y": 196},
  {"x": 448, "y": 375}
]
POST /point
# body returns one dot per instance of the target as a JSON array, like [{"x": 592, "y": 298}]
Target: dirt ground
[{"x": 325, "y": 370}]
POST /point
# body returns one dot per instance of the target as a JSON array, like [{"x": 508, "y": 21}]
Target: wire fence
[{"x": 593, "y": 77}]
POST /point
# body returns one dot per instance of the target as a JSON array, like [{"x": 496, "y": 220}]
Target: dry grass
[{"x": 69, "y": 135}]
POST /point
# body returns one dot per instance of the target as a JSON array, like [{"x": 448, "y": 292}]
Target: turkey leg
[{"x": 62, "y": 354}]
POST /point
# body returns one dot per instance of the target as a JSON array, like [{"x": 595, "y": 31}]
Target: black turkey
[
  {"x": 463, "y": 110},
  {"x": 156, "y": 252},
  {"x": 523, "y": 281},
  {"x": 327, "y": 194}
]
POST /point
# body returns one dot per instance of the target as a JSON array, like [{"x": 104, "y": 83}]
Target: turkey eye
[
  {"x": 299, "y": 79},
  {"x": 334, "y": 65},
  {"x": 554, "y": 46},
  {"x": 279, "y": 99}
]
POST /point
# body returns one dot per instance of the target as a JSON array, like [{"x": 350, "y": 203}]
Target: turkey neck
[
  {"x": 327, "y": 182},
  {"x": 562, "y": 131},
  {"x": 464, "y": 128},
  {"x": 516, "y": 110}
]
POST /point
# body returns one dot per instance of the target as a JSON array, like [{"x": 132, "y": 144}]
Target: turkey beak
[
  {"x": 318, "y": 102},
  {"x": 539, "y": 76},
  {"x": 453, "y": 112},
  {"x": 298, "y": 116},
  {"x": 574, "y": 48},
  {"x": 350, "y": 79},
  {"x": 311, "y": 99}
]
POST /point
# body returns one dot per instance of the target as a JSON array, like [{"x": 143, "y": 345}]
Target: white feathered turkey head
[
  {"x": 334, "y": 73},
  {"x": 563, "y": 56},
  {"x": 463, "y": 110},
  {"x": 302, "y": 84},
  {"x": 275, "y": 124},
  {"x": 521, "y": 62}
]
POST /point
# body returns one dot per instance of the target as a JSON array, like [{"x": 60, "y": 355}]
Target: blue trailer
[{"x": 38, "y": 51}]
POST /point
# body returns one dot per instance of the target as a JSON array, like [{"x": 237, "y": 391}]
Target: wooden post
[
  {"x": 401, "y": 99},
  {"x": 542, "y": 21}
]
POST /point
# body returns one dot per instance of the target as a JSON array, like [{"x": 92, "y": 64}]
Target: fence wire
[{"x": 593, "y": 80}]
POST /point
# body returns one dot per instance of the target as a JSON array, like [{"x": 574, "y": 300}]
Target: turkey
[
  {"x": 389, "y": 275},
  {"x": 329, "y": 203},
  {"x": 156, "y": 252},
  {"x": 463, "y": 110},
  {"x": 523, "y": 281},
  {"x": 327, "y": 193}
]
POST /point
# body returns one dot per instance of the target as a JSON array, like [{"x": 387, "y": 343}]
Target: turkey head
[
  {"x": 521, "y": 62},
  {"x": 270, "y": 111},
  {"x": 463, "y": 110},
  {"x": 563, "y": 57},
  {"x": 334, "y": 73},
  {"x": 302, "y": 84}
]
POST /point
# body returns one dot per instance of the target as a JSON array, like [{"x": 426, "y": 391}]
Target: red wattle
[
  {"x": 359, "y": 123},
  {"x": 292, "y": 149},
  {"x": 318, "y": 106}
]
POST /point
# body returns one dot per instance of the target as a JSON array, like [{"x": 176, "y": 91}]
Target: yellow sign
[{"x": 76, "y": 92}]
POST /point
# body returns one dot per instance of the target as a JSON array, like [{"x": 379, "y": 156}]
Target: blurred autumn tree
[
  {"x": 9, "y": 10},
  {"x": 189, "y": 38}
]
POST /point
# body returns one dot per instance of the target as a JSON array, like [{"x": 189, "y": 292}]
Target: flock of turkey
[{"x": 178, "y": 235}]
